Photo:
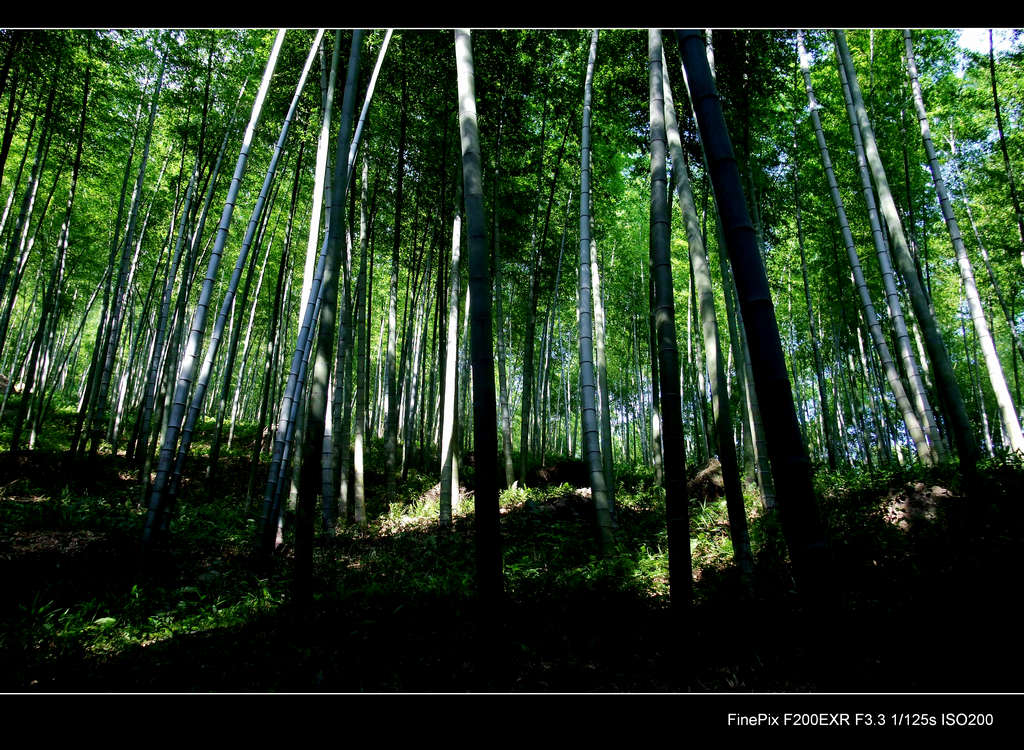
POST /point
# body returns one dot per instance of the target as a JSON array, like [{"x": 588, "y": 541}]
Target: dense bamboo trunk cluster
[
  {"x": 355, "y": 364},
  {"x": 910, "y": 416},
  {"x": 1007, "y": 412},
  {"x": 701, "y": 275},
  {"x": 156, "y": 521},
  {"x": 943, "y": 369},
  {"x": 786, "y": 451}
]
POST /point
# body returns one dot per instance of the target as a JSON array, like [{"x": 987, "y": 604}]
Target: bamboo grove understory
[{"x": 471, "y": 254}]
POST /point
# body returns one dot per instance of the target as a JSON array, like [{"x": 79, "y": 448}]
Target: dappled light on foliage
[{"x": 80, "y": 614}]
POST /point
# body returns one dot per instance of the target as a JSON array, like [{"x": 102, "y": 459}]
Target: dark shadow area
[{"x": 922, "y": 578}]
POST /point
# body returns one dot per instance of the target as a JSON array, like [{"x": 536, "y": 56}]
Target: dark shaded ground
[{"x": 925, "y": 583}]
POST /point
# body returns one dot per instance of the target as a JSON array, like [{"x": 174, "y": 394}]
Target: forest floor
[{"x": 923, "y": 579}]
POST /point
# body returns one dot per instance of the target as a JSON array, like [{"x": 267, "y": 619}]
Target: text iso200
[{"x": 967, "y": 720}]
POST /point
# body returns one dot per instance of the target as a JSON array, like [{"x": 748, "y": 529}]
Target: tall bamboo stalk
[
  {"x": 485, "y": 416},
  {"x": 1007, "y": 411}
]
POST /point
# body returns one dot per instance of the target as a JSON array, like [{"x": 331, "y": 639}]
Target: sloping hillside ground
[{"x": 925, "y": 582}]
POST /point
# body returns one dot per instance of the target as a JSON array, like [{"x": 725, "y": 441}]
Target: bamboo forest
[{"x": 511, "y": 360}]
